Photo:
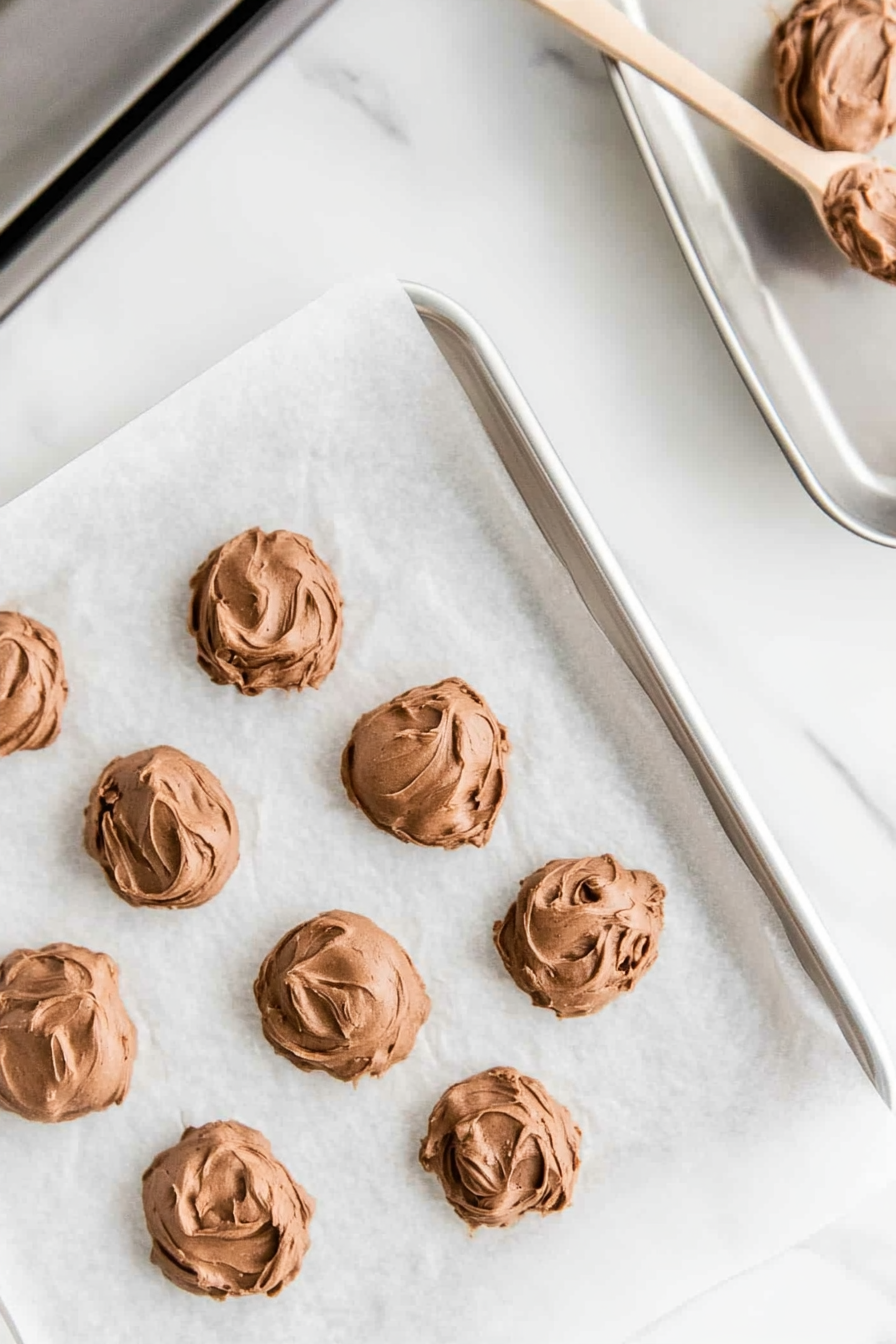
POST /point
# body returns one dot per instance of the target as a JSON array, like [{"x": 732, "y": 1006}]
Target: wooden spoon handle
[{"x": 604, "y": 25}]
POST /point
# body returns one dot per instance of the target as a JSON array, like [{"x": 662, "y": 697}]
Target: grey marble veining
[
  {"x": 855, "y": 786},
  {"x": 363, "y": 91}
]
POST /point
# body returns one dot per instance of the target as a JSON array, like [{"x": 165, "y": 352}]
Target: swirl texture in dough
[
  {"x": 581, "y": 932},
  {"x": 225, "y": 1217},
  {"x": 860, "y": 209},
  {"x": 266, "y": 613},
  {"x": 67, "y": 1045},
  {"x": 429, "y": 766},
  {"x": 162, "y": 829},
  {"x": 339, "y": 994},
  {"x": 33, "y": 688},
  {"x": 502, "y": 1147},
  {"x": 835, "y": 67}
]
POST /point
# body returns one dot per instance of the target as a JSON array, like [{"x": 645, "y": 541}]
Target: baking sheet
[
  {"x": 779, "y": 291},
  {"x": 723, "y": 1114}
]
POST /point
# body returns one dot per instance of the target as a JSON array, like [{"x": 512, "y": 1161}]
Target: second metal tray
[
  {"x": 812, "y": 339},
  {"x": 572, "y": 533}
]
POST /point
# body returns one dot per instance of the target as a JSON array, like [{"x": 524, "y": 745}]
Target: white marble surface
[{"x": 471, "y": 145}]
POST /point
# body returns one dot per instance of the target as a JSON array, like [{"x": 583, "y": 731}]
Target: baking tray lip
[
  {"x": 8, "y": 1332},
  {"x": 620, "y": 81},
  {"x": 865, "y": 1037}
]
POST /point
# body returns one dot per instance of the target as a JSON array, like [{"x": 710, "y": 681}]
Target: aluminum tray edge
[
  {"x": 798, "y": 463},
  {"x": 570, "y": 530}
]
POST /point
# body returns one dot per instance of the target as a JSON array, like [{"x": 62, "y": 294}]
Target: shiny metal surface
[
  {"x": 68, "y": 70},
  {"x": 572, "y": 533},
  {"x": 812, "y": 339},
  {"x": 190, "y": 106},
  {"x": 8, "y": 1332}
]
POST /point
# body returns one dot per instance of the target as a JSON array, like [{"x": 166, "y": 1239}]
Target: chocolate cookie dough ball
[
  {"x": 266, "y": 612},
  {"x": 339, "y": 994},
  {"x": 225, "y": 1217},
  {"x": 581, "y": 932},
  {"x": 860, "y": 211},
  {"x": 429, "y": 766},
  {"x": 32, "y": 684},
  {"x": 501, "y": 1147},
  {"x": 162, "y": 829},
  {"x": 835, "y": 66},
  {"x": 67, "y": 1046}
]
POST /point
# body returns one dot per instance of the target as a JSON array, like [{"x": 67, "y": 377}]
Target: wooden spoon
[{"x": 813, "y": 169}]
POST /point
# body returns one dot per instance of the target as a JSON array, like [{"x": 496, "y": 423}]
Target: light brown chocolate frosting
[
  {"x": 429, "y": 766},
  {"x": 32, "y": 684},
  {"x": 225, "y": 1217},
  {"x": 67, "y": 1046},
  {"x": 339, "y": 994},
  {"x": 581, "y": 932},
  {"x": 162, "y": 828},
  {"x": 860, "y": 209},
  {"x": 501, "y": 1147},
  {"x": 266, "y": 613},
  {"x": 835, "y": 71}
]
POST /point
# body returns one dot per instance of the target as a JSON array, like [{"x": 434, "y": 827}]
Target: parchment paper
[{"x": 723, "y": 1116}]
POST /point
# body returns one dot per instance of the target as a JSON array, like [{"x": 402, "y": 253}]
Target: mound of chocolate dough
[
  {"x": 32, "y": 684},
  {"x": 835, "y": 68},
  {"x": 225, "y": 1217},
  {"x": 162, "y": 829},
  {"x": 339, "y": 994},
  {"x": 502, "y": 1147},
  {"x": 429, "y": 766},
  {"x": 67, "y": 1045},
  {"x": 266, "y": 613},
  {"x": 860, "y": 209},
  {"x": 581, "y": 932}
]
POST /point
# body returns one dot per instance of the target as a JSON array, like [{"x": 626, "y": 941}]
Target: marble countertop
[{"x": 473, "y": 146}]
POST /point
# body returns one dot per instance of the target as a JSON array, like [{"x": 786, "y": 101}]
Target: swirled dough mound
[
  {"x": 860, "y": 209},
  {"x": 162, "y": 829},
  {"x": 225, "y": 1217},
  {"x": 835, "y": 67},
  {"x": 266, "y": 612},
  {"x": 429, "y": 766},
  {"x": 339, "y": 994},
  {"x": 581, "y": 932},
  {"x": 67, "y": 1046},
  {"x": 32, "y": 684},
  {"x": 501, "y": 1147}
]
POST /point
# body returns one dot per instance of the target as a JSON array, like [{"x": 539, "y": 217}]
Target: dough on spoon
[
  {"x": 860, "y": 209},
  {"x": 67, "y": 1045}
]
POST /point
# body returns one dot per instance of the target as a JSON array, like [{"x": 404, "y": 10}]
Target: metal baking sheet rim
[
  {"x": 575, "y": 538},
  {"x": 619, "y": 80}
]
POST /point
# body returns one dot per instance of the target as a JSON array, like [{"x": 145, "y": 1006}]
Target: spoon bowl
[{"x": 854, "y": 195}]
